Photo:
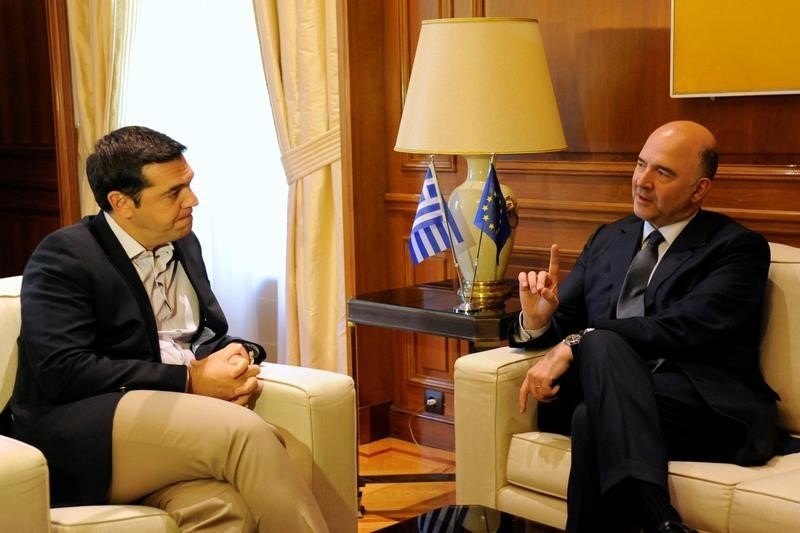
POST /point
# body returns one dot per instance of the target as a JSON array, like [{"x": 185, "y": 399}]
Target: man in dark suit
[
  {"x": 128, "y": 381},
  {"x": 661, "y": 368}
]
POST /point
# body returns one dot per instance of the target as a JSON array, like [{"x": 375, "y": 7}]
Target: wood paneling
[
  {"x": 28, "y": 188},
  {"x": 38, "y": 189},
  {"x": 365, "y": 131},
  {"x": 25, "y": 115},
  {"x": 609, "y": 61},
  {"x": 65, "y": 132}
]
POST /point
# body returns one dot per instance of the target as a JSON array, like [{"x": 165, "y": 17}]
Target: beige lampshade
[{"x": 480, "y": 86}]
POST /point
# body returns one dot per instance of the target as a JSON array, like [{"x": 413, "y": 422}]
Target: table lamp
[{"x": 480, "y": 87}]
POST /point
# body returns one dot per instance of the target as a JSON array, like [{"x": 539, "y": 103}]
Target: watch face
[{"x": 572, "y": 339}]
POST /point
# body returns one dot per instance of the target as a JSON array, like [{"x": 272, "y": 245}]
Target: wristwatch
[{"x": 575, "y": 338}]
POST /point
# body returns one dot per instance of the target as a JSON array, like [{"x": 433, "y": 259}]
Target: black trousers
[{"x": 626, "y": 422}]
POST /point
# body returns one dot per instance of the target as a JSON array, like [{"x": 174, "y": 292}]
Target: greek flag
[
  {"x": 429, "y": 234},
  {"x": 492, "y": 215}
]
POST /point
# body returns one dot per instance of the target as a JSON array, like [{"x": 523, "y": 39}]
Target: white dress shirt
[{"x": 174, "y": 300}]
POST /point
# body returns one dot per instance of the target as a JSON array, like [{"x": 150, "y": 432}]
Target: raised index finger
[{"x": 554, "y": 263}]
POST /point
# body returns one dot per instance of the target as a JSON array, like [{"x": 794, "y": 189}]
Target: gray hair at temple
[{"x": 709, "y": 159}]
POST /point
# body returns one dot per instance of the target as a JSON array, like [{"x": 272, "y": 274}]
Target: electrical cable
[{"x": 430, "y": 402}]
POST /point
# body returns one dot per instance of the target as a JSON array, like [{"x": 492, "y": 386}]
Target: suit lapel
[
  {"x": 693, "y": 236},
  {"x": 122, "y": 263}
]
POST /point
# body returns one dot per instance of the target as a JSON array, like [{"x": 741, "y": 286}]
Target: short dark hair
[
  {"x": 709, "y": 159},
  {"x": 118, "y": 158}
]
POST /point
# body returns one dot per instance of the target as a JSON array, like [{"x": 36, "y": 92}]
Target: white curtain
[
  {"x": 195, "y": 74},
  {"x": 299, "y": 51},
  {"x": 100, "y": 34}
]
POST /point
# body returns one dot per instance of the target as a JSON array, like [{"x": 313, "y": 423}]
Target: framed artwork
[{"x": 734, "y": 47}]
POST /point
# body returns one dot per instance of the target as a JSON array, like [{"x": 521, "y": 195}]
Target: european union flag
[
  {"x": 492, "y": 215},
  {"x": 429, "y": 234}
]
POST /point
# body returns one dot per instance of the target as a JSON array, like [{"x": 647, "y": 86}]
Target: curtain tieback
[{"x": 313, "y": 155}]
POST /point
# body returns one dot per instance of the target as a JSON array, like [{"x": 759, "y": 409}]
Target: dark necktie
[{"x": 631, "y": 298}]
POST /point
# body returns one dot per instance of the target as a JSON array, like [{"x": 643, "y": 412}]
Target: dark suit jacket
[
  {"x": 703, "y": 312},
  {"x": 88, "y": 335}
]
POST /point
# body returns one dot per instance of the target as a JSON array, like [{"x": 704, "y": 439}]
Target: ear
[
  {"x": 121, "y": 204},
  {"x": 701, "y": 189}
]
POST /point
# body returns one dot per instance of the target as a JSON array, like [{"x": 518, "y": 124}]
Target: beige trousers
[{"x": 212, "y": 465}]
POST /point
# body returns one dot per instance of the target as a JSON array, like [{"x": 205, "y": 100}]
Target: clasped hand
[{"x": 226, "y": 374}]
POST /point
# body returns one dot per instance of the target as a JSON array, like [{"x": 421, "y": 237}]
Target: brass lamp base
[{"x": 482, "y": 295}]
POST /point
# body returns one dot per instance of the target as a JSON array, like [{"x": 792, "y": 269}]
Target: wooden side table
[{"x": 428, "y": 308}]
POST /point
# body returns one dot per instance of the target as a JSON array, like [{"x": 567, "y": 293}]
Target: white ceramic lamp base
[{"x": 482, "y": 275}]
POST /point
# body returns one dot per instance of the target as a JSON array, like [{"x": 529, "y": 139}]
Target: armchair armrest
[
  {"x": 24, "y": 491},
  {"x": 486, "y": 415},
  {"x": 315, "y": 410}
]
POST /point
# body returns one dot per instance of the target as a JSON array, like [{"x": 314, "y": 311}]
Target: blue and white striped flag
[{"x": 429, "y": 234}]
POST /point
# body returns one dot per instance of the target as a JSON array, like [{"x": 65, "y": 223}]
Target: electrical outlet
[{"x": 436, "y": 396}]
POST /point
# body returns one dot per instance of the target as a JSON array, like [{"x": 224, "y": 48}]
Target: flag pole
[
  {"x": 480, "y": 240},
  {"x": 447, "y": 225}
]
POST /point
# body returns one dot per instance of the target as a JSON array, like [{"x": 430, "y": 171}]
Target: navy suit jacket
[
  {"x": 88, "y": 335},
  {"x": 702, "y": 312}
]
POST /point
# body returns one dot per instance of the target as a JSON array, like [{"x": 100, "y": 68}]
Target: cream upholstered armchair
[
  {"x": 503, "y": 462},
  {"x": 314, "y": 410}
]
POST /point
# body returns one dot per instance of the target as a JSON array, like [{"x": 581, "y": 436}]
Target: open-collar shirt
[{"x": 177, "y": 318}]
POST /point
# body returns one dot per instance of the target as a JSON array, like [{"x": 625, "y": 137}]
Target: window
[{"x": 195, "y": 73}]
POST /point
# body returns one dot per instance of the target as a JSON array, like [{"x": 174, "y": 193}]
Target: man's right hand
[
  {"x": 226, "y": 374},
  {"x": 541, "y": 380},
  {"x": 538, "y": 293}
]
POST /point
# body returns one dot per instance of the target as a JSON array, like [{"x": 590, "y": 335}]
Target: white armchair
[
  {"x": 314, "y": 410},
  {"x": 505, "y": 463}
]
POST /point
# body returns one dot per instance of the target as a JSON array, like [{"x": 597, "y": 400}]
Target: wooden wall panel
[
  {"x": 609, "y": 61},
  {"x": 24, "y": 74},
  {"x": 64, "y": 129},
  {"x": 29, "y": 202},
  {"x": 365, "y": 125}
]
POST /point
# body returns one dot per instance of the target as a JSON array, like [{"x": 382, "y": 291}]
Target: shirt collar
[
  {"x": 670, "y": 232},
  {"x": 131, "y": 246}
]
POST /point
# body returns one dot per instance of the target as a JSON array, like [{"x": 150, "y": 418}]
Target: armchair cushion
[
  {"x": 540, "y": 461},
  {"x": 24, "y": 493},
  {"x": 703, "y": 491},
  {"x": 767, "y": 504},
  {"x": 9, "y": 331},
  {"x": 111, "y": 519},
  {"x": 315, "y": 411},
  {"x": 781, "y": 336}
]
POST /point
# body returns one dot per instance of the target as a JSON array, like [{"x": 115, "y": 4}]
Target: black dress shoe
[{"x": 675, "y": 527}]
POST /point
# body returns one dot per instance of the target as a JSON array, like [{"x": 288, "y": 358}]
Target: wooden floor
[{"x": 388, "y": 503}]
